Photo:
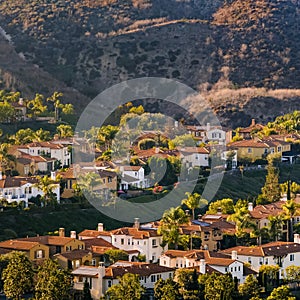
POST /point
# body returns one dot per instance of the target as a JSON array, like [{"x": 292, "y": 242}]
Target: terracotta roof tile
[{"x": 18, "y": 245}]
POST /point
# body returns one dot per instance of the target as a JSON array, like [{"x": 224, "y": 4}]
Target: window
[
  {"x": 109, "y": 179},
  {"x": 39, "y": 254},
  {"x": 152, "y": 278},
  {"x": 128, "y": 242},
  {"x": 154, "y": 245},
  {"x": 68, "y": 248},
  {"x": 153, "y": 257},
  {"x": 266, "y": 261},
  {"x": 93, "y": 262},
  {"x": 109, "y": 283},
  {"x": 170, "y": 275},
  {"x": 279, "y": 149},
  {"x": 77, "y": 263},
  {"x": 122, "y": 241},
  {"x": 158, "y": 277},
  {"x": 239, "y": 268},
  {"x": 226, "y": 269},
  {"x": 249, "y": 150},
  {"x": 231, "y": 269},
  {"x": 196, "y": 156},
  {"x": 292, "y": 257},
  {"x": 249, "y": 260}
]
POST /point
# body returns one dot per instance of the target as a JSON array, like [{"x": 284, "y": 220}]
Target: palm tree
[
  {"x": 107, "y": 134},
  {"x": 56, "y": 103},
  {"x": 46, "y": 185},
  {"x": 290, "y": 209},
  {"x": 64, "y": 131},
  {"x": 194, "y": 201},
  {"x": 37, "y": 105},
  {"x": 170, "y": 227},
  {"x": 275, "y": 226}
]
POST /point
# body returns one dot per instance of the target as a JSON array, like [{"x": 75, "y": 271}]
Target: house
[
  {"x": 205, "y": 261},
  {"x": 93, "y": 276},
  {"x": 283, "y": 254},
  {"x": 195, "y": 156},
  {"x": 210, "y": 235},
  {"x": 74, "y": 259},
  {"x": 209, "y": 133},
  {"x": 258, "y": 149},
  {"x": 139, "y": 239},
  {"x": 148, "y": 273},
  {"x": 133, "y": 176},
  {"x": 48, "y": 149},
  {"x": 35, "y": 251},
  {"x": 22, "y": 189},
  {"x": 260, "y": 214},
  {"x": 30, "y": 165},
  {"x": 20, "y": 110},
  {"x": 247, "y": 132},
  {"x": 58, "y": 244},
  {"x": 100, "y": 279}
]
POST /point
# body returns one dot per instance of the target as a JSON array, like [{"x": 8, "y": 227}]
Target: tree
[
  {"x": 269, "y": 276},
  {"x": 226, "y": 205},
  {"x": 194, "y": 201},
  {"x": 113, "y": 255},
  {"x": 282, "y": 293},
  {"x": 46, "y": 185},
  {"x": 7, "y": 161},
  {"x": 137, "y": 110},
  {"x": 292, "y": 274},
  {"x": 42, "y": 135},
  {"x": 37, "y": 105},
  {"x": 241, "y": 218},
  {"x": 23, "y": 136},
  {"x": 129, "y": 287},
  {"x": 250, "y": 288},
  {"x": 106, "y": 135},
  {"x": 290, "y": 210},
  {"x": 170, "y": 227},
  {"x": 275, "y": 226},
  {"x": 219, "y": 287},
  {"x": 53, "y": 283},
  {"x": 185, "y": 140},
  {"x": 189, "y": 286},
  {"x": 7, "y": 112},
  {"x": 64, "y": 131},
  {"x": 17, "y": 276},
  {"x": 55, "y": 99},
  {"x": 166, "y": 289},
  {"x": 86, "y": 291},
  {"x": 270, "y": 192}
]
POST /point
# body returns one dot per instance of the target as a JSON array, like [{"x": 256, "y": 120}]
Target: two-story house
[
  {"x": 48, "y": 149},
  {"x": 35, "y": 251},
  {"x": 22, "y": 189},
  {"x": 133, "y": 176},
  {"x": 100, "y": 279},
  {"x": 283, "y": 254},
  {"x": 195, "y": 156}
]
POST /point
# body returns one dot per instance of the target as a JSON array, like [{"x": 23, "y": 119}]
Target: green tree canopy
[
  {"x": 166, "y": 289},
  {"x": 113, "y": 255},
  {"x": 17, "y": 276},
  {"x": 53, "y": 283},
  {"x": 170, "y": 227},
  {"x": 250, "y": 288},
  {"x": 282, "y": 293},
  {"x": 129, "y": 287},
  {"x": 194, "y": 201},
  {"x": 226, "y": 205}
]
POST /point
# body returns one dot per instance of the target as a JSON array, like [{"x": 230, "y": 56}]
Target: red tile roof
[{"x": 18, "y": 245}]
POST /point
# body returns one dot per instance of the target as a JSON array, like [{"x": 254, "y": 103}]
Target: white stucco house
[
  {"x": 195, "y": 156},
  {"x": 283, "y": 254},
  {"x": 133, "y": 176},
  {"x": 18, "y": 189},
  {"x": 203, "y": 260},
  {"x": 49, "y": 149},
  {"x": 100, "y": 279},
  {"x": 139, "y": 238}
]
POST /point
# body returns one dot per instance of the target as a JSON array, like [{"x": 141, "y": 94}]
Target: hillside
[{"x": 91, "y": 45}]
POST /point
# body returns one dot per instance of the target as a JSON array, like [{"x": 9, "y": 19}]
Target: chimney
[
  {"x": 1, "y": 177},
  {"x": 73, "y": 234},
  {"x": 187, "y": 212},
  {"x": 136, "y": 223},
  {"x": 219, "y": 210},
  {"x": 61, "y": 232},
  {"x": 100, "y": 227},
  {"x": 296, "y": 238},
  {"x": 202, "y": 268},
  {"x": 208, "y": 127},
  {"x": 253, "y": 122},
  {"x": 156, "y": 150},
  {"x": 250, "y": 206},
  {"x": 234, "y": 255},
  {"x": 53, "y": 176}
]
